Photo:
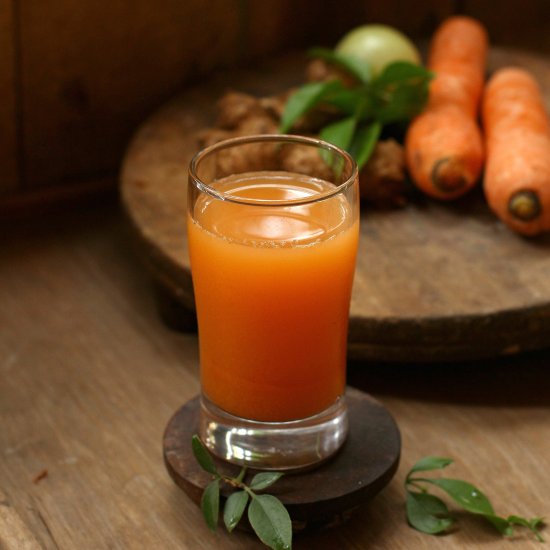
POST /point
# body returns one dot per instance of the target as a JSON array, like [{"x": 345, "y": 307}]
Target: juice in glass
[{"x": 272, "y": 256}]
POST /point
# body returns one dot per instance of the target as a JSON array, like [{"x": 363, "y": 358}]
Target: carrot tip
[
  {"x": 448, "y": 175},
  {"x": 525, "y": 205}
]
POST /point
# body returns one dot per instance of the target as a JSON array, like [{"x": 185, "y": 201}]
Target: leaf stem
[
  {"x": 413, "y": 483},
  {"x": 416, "y": 480},
  {"x": 237, "y": 483},
  {"x": 233, "y": 481},
  {"x": 241, "y": 475}
]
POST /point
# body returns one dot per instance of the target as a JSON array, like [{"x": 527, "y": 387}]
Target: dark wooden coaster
[{"x": 325, "y": 496}]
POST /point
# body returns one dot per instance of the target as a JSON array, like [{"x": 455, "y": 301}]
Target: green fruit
[{"x": 378, "y": 45}]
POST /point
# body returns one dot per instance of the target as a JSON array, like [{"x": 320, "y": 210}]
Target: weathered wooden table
[{"x": 89, "y": 377}]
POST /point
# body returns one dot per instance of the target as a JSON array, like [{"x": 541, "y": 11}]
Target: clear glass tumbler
[{"x": 273, "y": 228}]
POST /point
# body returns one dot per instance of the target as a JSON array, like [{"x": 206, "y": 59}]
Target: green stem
[
  {"x": 233, "y": 481},
  {"x": 238, "y": 484},
  {"x": 412, "y": 483},
  {"x": 414, "y": 480},
  {"x": 361, "y": 107},
  {"x": 241, "y": 475}
]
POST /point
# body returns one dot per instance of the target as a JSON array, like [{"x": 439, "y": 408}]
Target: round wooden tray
[
  {"x": 322, "y": 497},
  {"x": 433, "y": 282}
]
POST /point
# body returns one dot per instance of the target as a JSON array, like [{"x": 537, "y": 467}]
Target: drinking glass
[{"x": 273, "y": 228}]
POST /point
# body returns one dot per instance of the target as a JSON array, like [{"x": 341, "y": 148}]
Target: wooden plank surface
[
  {"x": 89, "y": 378},
  {"x": 433, "y": 281},
  {"x": 89, "y": 76},
  {"x": 525, "y": 23},
  {"x": 8, "y": 109}
]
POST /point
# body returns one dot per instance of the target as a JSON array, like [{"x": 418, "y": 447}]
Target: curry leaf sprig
[
  {"x": 429, "y": 514},
  {"x": 397, "y": 94},
  {"x": 266, "y": 513}
]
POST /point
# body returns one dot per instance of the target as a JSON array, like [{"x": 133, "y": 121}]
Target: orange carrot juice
[{"x": 272, "y": 287}]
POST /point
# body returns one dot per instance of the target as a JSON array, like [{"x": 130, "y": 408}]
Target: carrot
[
  {"x": 517, "y": 172},
  {"x": 443, "y": 145}
]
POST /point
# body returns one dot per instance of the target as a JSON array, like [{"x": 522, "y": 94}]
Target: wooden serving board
[{"x": 433, "y": 282}]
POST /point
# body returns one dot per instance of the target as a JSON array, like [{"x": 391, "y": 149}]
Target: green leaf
[
  {"x": 364, "y": 142},
  {"x": 533, "y": 524},
  {"x": 304, "y": 99},
  {"x": 203, "y": 456},
  {"x": 529, "y": 523},
  {"x": 400, "y": 92},
  {"x": 427, "y": 513},
  {"x": 406, "y": 103},
  {"x": 502, "y": 525},
  {"x": 271, "y": 522},
  {"x": 400, "y": 71},
  {"x": 340, "y": 133},
  {"x": 234, "y": 508},
  {"x": 430, "y": 463},
  {"x": 348, "y": 99},
  {"x": 210, "y": 504},
  {"x": 264, "y": 480},
  {"x": 354, "y": 66},
  {"x": 465, "y": 494}
]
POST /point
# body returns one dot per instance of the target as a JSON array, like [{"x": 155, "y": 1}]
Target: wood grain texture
[
  {"x": 14, "y": 534},
  {"x": 89, "y": 378},
  {"x": 522, "y": 23},
  {"x": 415, "y": 19},
  {"x": 90, "y": 76},
  {"x": 87, "y": 78},
  {"x": 8, "y": 108},
  {"x": 87, "y": 75},
  {"x": 433, "y": 281}
]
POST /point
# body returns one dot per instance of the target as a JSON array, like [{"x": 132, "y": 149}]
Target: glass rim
[{"x": 283, "y": 138}]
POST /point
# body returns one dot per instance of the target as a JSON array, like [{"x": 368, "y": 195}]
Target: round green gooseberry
[{"x": 378, "y": 45}]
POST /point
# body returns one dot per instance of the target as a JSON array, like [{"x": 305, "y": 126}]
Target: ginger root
[{"x": 382, "y": 180}]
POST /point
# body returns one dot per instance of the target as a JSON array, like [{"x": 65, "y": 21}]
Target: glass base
[{"x": 298, "y": 444}]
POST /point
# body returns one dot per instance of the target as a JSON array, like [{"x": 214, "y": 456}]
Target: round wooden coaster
[
  {"x": 434, "y": 281},
  {"x": 325, "y": 496}
]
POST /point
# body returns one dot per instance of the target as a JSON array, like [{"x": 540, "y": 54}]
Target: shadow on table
[{"x": 521, "y": 380}]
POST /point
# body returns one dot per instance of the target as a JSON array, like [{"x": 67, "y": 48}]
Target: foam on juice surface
[{"x": 265, "y": 224}]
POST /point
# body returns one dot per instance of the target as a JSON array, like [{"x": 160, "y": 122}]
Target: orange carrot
[
  {"x": 517, "y": 173},
  {"x": 443, "y": 146}
]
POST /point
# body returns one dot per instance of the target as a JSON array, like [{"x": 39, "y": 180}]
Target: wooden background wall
[{"x": 77, "y": 78}]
